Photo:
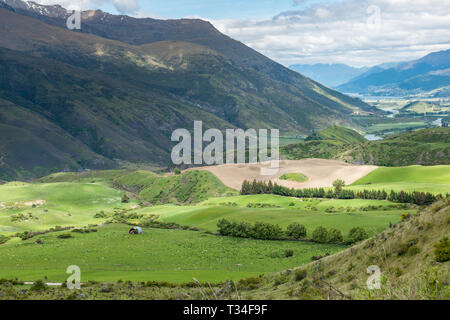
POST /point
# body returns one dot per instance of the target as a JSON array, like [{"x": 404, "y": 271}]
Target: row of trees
[
  {"x": 260, "y": 187},
  {"x": 295, "y": 231}
]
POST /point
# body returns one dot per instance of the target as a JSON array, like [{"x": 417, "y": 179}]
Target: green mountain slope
[
  {"x": 122, "y": 101},
  {"x": 422, "y": 147}
]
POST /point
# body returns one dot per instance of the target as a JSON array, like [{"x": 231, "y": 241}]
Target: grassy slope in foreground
[
  {"x": 435, "y": 179},
  {"x": 206, "y": 215},
  {"x": 175, "y": 256},
  {"x": 405, "y": 255}
]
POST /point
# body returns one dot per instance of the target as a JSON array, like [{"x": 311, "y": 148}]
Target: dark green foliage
[
  {"x": 296, "y": 231},
  {"x": 266, "y": 231},
  {"x": 65, "y": 236},
  {"x": 442, "y": 250},
  {"x": 418, "y": 198},
  {"x": 260, "y": 230},
  {"x": 289, "y": 253},
  {"x": 300, "y": 275},
  {"x": 335, "y": 236},
  {"x": 320, "y": 234},
  {"x": 38, "y": 285},
  {"x": 357, "y": 234}
]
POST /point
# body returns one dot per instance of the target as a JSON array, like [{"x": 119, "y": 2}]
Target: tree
[
  {"x": 320, "y": 234},
  {"x": 296, "y": 231},
  {"x": 335, "y": 236},
  {"x": 338, "y": 185},
  {"x": 357, "y": 234}
]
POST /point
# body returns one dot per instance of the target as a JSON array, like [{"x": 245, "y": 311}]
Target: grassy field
[
  {"x": 298, "y": 177},
  {"x": 63, "y": 204},
  {"x": 163, "y": 255},
  {"x": 435, "y": 179},
  {"x": 283, "y": 211}
]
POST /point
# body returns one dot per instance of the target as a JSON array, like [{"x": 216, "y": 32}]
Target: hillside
[
  {"x": 339, "y": 134},
  {"x": 120, "y": 101},
  {"x": 423, "y": 147},
  {"x": 428, "y": 76},
  {"x": 404, "y": 253}
]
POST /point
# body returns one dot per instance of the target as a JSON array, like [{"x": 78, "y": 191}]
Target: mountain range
[
  {"x": 428, "y": 76},
  {"x": 113, "y": 92}
]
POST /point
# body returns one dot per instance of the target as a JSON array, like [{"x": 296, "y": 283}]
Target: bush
[
  {"x": 442, "y": 250},
  {"x": 266, "y": 231},
  {"x": 125, "y": 199},
  {"x": 296, "y": 231},
  {"x": 39, "y": 285},
  {"x": 289, "y": 253},
  {"x": 177, "y": 171},
  {"x": 300, "y": 275},
  {"x": 65, "y": 236},
  {"x": 249, "y": 283},
  {"x": 335, "y": 236},
  {"x": 357, "y": 234},
  {"x": 320, "y": 235}
]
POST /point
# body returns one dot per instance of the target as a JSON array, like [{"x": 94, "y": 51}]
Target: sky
[{"x": 355, "y": 32}]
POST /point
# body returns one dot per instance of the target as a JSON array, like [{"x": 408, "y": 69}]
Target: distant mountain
[
  {"x": 81, "y": 101},
  {"x": 330, "y": 75},
  {"x": 428, "y": 76}
]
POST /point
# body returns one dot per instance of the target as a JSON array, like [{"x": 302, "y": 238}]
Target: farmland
[
  {"x": 194, "y": 200},
  {"x": 161, "y": 255}
]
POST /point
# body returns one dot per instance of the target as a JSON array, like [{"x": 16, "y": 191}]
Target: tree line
[
  {"x": 261, "y": 187},
  {"x": 294, "y": 231}
]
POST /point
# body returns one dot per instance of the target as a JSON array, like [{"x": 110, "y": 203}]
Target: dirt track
[{"x": 320, "y": 172}]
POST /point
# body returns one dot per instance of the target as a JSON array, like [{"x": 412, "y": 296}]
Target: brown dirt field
[{"x": 320, "y": 172}]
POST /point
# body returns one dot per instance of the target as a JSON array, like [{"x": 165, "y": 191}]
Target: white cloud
[{"x": 344, "y": 32}]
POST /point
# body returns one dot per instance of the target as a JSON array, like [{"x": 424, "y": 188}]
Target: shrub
[
  {"x": 39, "y": 285},
  {"x": 442, "y": 250},
  {"x": 249, "y": 283},
  {"x": 334, "y": 236},
  {"x": 320, "y": 235},
  {"x": 296, "y": 231},
  {"x": 224, "y": 227},
  {"x": 300, "y": 275},
  {"x": 289, "y": 253},
  {"x": 177, "y": 171},
  {"x": 357, "y": 234},
  {"x": 125, "y": 198},
  {"x": 266, "y": 231},
  {"x": 65, "y": 236}
]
